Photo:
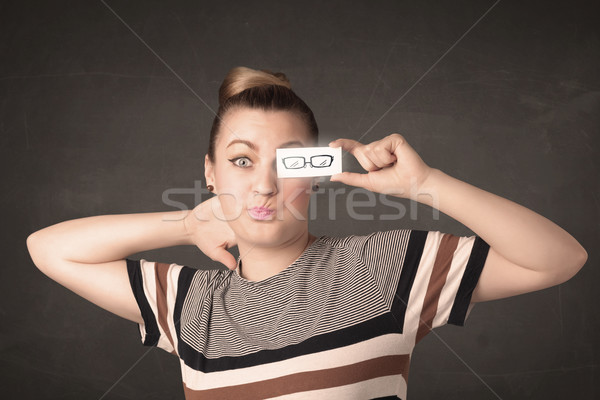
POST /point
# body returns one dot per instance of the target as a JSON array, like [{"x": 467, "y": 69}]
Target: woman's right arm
[{"x": 87, "y": 255}]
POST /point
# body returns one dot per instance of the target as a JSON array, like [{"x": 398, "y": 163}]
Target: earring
[
  {"x": 210, "y": 188},
  {"x": 315, "y": 187}
]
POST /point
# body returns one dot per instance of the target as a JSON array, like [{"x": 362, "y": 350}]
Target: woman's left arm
[{"x": 528, "y": 252}]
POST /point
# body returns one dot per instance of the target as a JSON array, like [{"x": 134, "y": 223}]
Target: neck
[{"x": 259, "y": 263}]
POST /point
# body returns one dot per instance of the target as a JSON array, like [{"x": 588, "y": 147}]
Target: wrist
[
  {"x": 427, "y": 192},
  {"x": 186, "y": 230},
  {"x": 179, "y": 226}
]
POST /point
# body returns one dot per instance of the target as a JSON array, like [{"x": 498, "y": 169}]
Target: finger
[
  {"x": 366, "y": 160},
  {"x": 224, "y": 257},
  {"x": 377, "y": 157},
  {"x": 348, "y": 145},
  {"x": 382, "y": 156},
  {"x": 362, "y": 153},
  {"x": 352, "y": 179}
]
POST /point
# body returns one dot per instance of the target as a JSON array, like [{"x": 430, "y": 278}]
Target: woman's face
[{"x": 260, "y": 208}]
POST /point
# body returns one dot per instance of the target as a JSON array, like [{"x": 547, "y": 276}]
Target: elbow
[
  {"x": 32, "y": 245},
  {"x": 579, "y": 259},
  {"x": 36, "y": 249},
  {"x": 582, "y": 259}
]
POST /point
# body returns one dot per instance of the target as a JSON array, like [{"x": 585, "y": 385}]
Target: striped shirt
[{"x": 339, "y": 323}]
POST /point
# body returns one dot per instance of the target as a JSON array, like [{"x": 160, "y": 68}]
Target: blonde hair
[
  {"x": 242, "y": 78},
  {"x": 258, "y": 89}
]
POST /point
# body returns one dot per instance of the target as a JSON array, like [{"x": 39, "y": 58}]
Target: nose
[{"x": 265, "y": 180}]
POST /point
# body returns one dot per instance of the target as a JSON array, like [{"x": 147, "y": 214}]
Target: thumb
[{"x": 352, "y": 179}]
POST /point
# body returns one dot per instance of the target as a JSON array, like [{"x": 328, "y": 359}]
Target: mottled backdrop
[{"x": 105, "y": 108}]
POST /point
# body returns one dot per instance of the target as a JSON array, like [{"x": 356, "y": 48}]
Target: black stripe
[
  {"x": 382, "y": 325},
  {"x": 137, "y": 286},
  {"x": 183, "y": 286},
  {"x": 416, "y": 243},
  {"x": 469, "y": 281},
  {"x": 388, "y": 398}
]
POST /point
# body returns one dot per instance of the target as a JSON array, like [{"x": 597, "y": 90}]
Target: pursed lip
[{"x": 261, "y": 213}]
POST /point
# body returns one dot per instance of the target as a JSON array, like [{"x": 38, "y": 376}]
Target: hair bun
[{"x": 241, "y": 78}]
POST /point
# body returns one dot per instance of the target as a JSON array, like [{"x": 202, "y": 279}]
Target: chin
[{"x": 270, "y": 233}]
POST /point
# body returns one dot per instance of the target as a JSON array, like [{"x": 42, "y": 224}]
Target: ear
[{"x": 209, "y": 172}]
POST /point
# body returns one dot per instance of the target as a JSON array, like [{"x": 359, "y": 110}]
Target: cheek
[
  {"x": 229, "y": 183},
  {"x": 232, "y": 195},
  {"x": 297, "y": 194},
  {"x": 230, "y": 206}
]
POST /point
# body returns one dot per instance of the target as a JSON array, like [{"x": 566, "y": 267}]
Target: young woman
[{"x": 298, "y": 316}]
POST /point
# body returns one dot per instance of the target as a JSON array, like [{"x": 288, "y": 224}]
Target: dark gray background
[{"x": 92, "y": 122}]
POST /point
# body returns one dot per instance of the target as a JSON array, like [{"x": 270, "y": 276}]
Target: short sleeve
[
  {"x": 158, "y": 288},
  {"x": 427, "y": 278}
]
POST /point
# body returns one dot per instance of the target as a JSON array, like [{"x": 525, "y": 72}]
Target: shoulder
[
  {"x": 388, "y": 236},
  {"x": 205, "y": 279},
  {"x": 342, "y": 243},
  {"x": 174, "y": 275},
  {"x": 358, "y": 244}
]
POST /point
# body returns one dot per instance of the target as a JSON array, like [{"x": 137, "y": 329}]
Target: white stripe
[
  {"x": 457, "y": 268},
  {"x": 149, "y": 284},
  {"x": 172, "y": 277},
  {"x": 419, "y": 289}
]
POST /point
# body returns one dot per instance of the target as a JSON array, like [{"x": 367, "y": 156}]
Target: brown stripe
[
  {"x": 441, "y": 267},
  {"x": 305, "y": 381},
  {"x": 161, "y": 271}
]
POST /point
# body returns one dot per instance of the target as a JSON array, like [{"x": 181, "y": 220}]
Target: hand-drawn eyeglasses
[{"x": 320, "y": 161}]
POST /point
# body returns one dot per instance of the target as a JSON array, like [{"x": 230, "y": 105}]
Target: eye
[{"x": 242, "y": 162}]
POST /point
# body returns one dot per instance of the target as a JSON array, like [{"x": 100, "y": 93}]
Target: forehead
[{"x": 262, "y": 127}]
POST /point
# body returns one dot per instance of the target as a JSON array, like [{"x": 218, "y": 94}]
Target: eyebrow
[
  {"x": 253, "y": 146},
  {"x": 247, "y": 143}
]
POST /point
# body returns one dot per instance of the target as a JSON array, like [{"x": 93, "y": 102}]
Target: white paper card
[{"x": 297, "y": 162}]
